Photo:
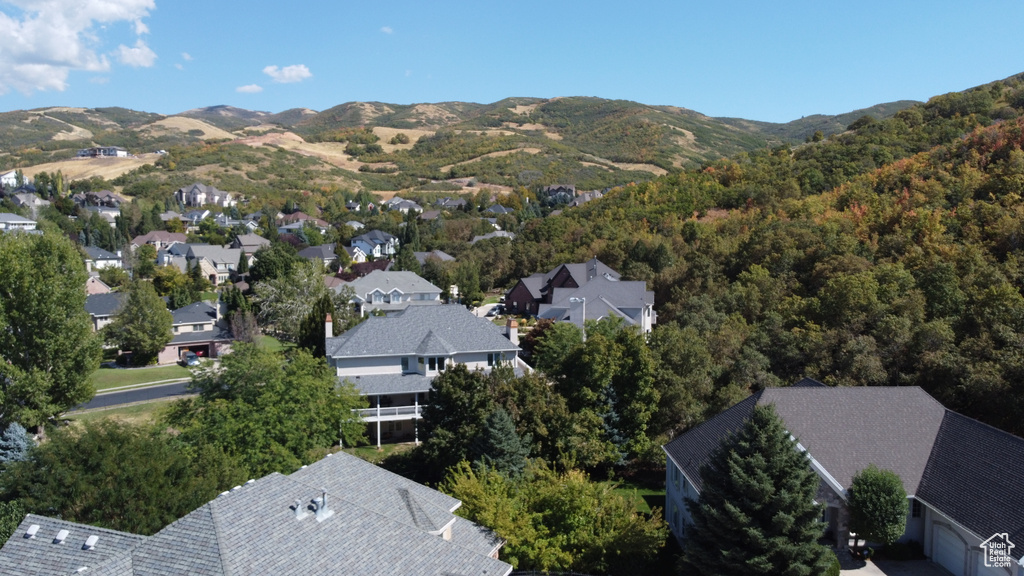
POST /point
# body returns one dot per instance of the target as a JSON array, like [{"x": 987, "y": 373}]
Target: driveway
[{"x": 854, "y": 567}]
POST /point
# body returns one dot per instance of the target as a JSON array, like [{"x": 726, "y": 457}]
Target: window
[
  {"x": 197, "y": 327},
  {"x": 420, "y": 362},
  {"x": 405, "y": 364},
  {"x": 432, "y": 364},
  {"x": 441, "y": 364},
  {"x": 915, "y": 508},
  {"x": 492, "y": 359}
]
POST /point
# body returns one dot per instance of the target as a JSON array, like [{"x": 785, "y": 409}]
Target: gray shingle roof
[
  {"x": 106, "y": 304},
  {"x": 970, "y": 471},
  {"x": 14, "y": 218},
  {"x": 404, "y": 333},
  {"x": 25, "y": 556},
  {"x": 373, "y": 384},
  {"x": 321, "y": 252},
  {"x": 382, "y": 524},
  {"x": 374, "y": 237},
  {"x": 194, "y": 313},
  {"x": 422, "y": 257},
  {"x": 219, "y": 255},
  {"x": 97, "y": 253},
  {"x": 388, "y": 281}
]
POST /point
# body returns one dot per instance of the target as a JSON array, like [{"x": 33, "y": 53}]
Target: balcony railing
[{"x": 389, "y": 411}]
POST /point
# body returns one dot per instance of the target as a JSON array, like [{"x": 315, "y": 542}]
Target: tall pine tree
[{"x": 756, "y": 513}]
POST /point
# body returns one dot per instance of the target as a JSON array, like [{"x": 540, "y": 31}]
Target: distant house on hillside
[
  {"x": 97, "y": 258},
  {"x": 103, "y": 152},
  {"x": 160, "y": 239},
  {"x": 376, "y": 244},
  {"x": 9, "y": 179},
  {"x": 12, "y": 222},
  {"x": 200, "y": 195},
  {"x": 102, "y": 307},
  {"x": 390, "y": 291},
  {"x": 439, "y": 255}
]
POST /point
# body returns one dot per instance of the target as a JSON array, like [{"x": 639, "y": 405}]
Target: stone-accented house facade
[
  {"x": 339, "y": 515},
  {"x": 964, "y": 479}
]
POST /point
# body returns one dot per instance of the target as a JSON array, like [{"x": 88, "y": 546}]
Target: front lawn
[
  {"x": 107, "y": 378},
  {"x": 273, "y": 344},
  {"x": 644, "y": 498}
]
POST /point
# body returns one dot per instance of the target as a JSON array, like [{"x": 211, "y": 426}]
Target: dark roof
[
  {"x": 422, "y": 257},
  {"x": 971, "y": 472},
  {"x": 195, "y": 313},
  {"x": 321, "y": 252},
  {"x": 217, "y": 334},
  {"x": 975, "y": 475},
  {"x": 375, "y": 237},
  {"x": 97, "y": 253},
  {"x": 106, "y": 304}
]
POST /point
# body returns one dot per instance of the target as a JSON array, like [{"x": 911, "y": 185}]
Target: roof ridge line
[{"x": 215, "y": 519}]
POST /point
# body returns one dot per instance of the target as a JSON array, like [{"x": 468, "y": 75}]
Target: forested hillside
[{"x": 888, "y": 255}]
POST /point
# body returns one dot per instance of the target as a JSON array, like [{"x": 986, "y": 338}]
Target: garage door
[
  {"x": 948, "y": 550},
  {"x": 982, "y": 570}
]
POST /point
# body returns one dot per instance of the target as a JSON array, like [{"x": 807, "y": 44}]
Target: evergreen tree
[
  {"x": 14, "y": 443},
  {"x": 243, "y": 263},
  {"x": 499, "y": 447},
  {"x": 11, "y": 514},
  {"x": 406, "y": 260},
  {"x": 311, "y": 331},
  {"x": 756, "y": 513}
]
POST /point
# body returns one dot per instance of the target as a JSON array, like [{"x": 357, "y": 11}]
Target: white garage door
[
  {"x": 982, "y": 570},
  {"x": 948, "y": 550}
]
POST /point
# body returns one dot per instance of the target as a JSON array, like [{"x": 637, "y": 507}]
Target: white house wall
[{"x": 935, "y": 521}]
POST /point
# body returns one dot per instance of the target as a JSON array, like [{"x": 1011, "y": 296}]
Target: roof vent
[
  {"x": 322, "y": 512},
  {"x": 60, "y": 537},
  {"x": 300, "y": 511},
  {"x": 31, "y": 532},
  {"x": 90, "y": 542}
]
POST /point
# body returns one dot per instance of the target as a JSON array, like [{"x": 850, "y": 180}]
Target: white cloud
[
  {"x": 141, "y": 28},
  {"x": 46, "y": 39},
  {"x": 288, "y": 74},
  {"x": 249, "y": 89},
  {"x": 186, "y": 56},
  {"x": 138, "y": 56},
  {"x": 386, "y": 29},
  {"x": 179, "y": 66},
  {"x": 99, "y": 79}
]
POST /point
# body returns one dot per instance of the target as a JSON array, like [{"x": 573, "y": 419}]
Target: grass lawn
[
  {"x": 644, "y": 498},
  {"x": 370, "y": 453},
  {"x": 273, "y": 344},
  {"x": 145, "y": 413},
  {"x": 106, "y": 378}
]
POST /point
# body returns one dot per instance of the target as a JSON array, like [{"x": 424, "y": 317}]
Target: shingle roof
[
  {"x": 968, "y": 470},
  {"x": 160, "y": 236},
  {"x": 388, "y": 281},
  {"x": 374, "y": 237},
  {"x": 381, "y": 524},
  {"x": 97, "y": 253},
  {"x": 215, "y": 254},
  {"x": 497, "y": 234},
  {"x": 14, "y": 218},
  {"x": 404, "y": 333},
  {"x": 194, "y": 313},
  {"x": 23, "y": 556},
  {"x": 106, "y": 304},
  {"x": 975, "y": 475},
  {"x": 422, "y": 257},
  {"x": 373, "y": 384},
  {"x": 321, "y": 252}
]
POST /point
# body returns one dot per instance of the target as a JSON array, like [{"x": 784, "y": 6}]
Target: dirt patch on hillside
[
  {"x": 83, "y": 168},
  {"x": 596, "y": 165},
  {"x": 492, "y": 155},
  {"x": 386, "y": 134},
  {"x": 182, "y": 124},
  {"x": 433, "y": 115},
  {"x": 368, "y": 112},
  {"x": 75, "y": 133},
  {"x": 524, "y": 110},
  {"x": 656, "y": 170}
]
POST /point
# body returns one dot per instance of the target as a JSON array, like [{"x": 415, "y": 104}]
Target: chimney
[
  {"x": 512, "y": 330},
  {"x": 328, "y": 327},
  {"x": 322, "y": 512}
]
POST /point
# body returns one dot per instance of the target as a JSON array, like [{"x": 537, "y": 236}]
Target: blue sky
[{"x": 764, "y": 61}]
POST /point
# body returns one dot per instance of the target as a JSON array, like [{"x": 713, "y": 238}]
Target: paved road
[{"x": 161, "y": 391}]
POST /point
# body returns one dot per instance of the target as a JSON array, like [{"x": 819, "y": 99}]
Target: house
[
  {"x": 586, "y": 197},
  {"x": 170, "y": 215},
  {"x": 602, "y": 297},
  {"x": 439, "y": 255},
  {"x": 376, "y": 244},
  {"x": 103, "y": 152},
  {"x": 429, "y": 215},
  {"x": 355, "y": 254},
  {"x": 449, "y": 203},
  {"x": 160, "y": 239},
  {"x": 964, "y": 479},
  {"x": 107, "y": 213},
  {"x": 9, "y": 179},
  {"x": 496, "y": 234},
  {"x": 101, "y": 198},
  {"x": 31, "y": 201},
  {"x": 11, "y": 222},
  {"x": 498, "y": 209},
  {"x": 390, "y": 291},
  {"x": 200, "y": 328},
  {"x": 103, "y": 307},
  {"x": 250, "y": 243},
  {"x": 392, "y": 360},
  {"x": 352, "y": 206},
  {"x": 93, "y": 285},
  {"x": 323, "y": 254},
  {"x": 222, "y": 259},
  {"x": 402, "y": 205},
  {"x": 339, "y": 515},
  {"x": 563, "y": 193},
  {"x": 355, "y": 225},
  {"x": 200, "y": 195},
  {"x": 529, "y": 293},
  {"x": 97, "y": 258}
]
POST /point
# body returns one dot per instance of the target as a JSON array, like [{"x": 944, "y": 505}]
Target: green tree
[
  {"x": 559, "y": 521},
  {"x": 47, "y": 347},
  {"x": 243, "y": 263},
  {"x": 312, "y": 332},
  {"x": 117, "y": 476},
  {"x": 878, "y": 505},
  {"x": 143, "y": 326},
  {"x": 11, "y": 514},
  {"x": 756, "y": 513},
  {"x": 270, "y": 412},
  {"x": 145, "y": 261},
  {"x": 274, "y": 261},
  {"x": 406, "y": 260},
  {"x": 453, "y": 416},
  {"x": 499, "y": 446},
  {"x": 284, "y": 302}
]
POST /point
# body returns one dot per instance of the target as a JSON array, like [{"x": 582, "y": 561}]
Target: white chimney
[
  {"x": 328, "y": 327},
  {"x": 512, "y": 330}
]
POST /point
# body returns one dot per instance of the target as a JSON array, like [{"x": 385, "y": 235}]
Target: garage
[
  {"x": 981, "y": 570},
  {"x": 949, "y": 550}
]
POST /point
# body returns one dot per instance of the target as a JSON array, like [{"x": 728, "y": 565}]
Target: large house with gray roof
[
  {"x": 390, "y": 291},
  {"x": 199, "y": 327},
  {"x": 376, "y": 243},
  {"x": 583, "y": 291},
  {"x": 340, "y": 515},
  {"x": 393, "y": 359},
  {"x": 964, "y": 479}
]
